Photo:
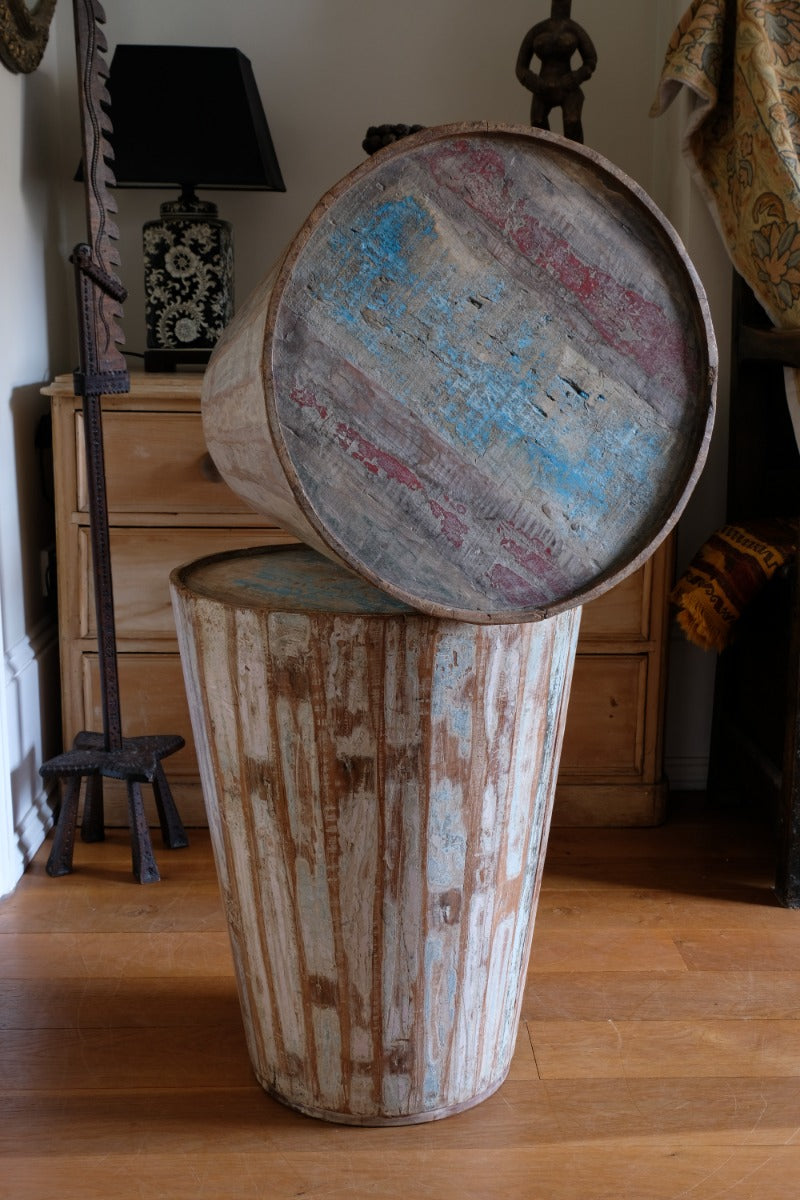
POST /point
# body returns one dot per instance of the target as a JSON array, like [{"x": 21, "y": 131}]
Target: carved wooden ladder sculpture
[{"x": 102, "y": 371}]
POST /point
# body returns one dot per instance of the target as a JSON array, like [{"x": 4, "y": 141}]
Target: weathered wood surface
[
  {"x": 379, "y": 785},
  {"x": 482, "y": 376}
]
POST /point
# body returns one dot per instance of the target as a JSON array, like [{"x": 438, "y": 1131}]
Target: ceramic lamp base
[{"x": 188, "y": 268}]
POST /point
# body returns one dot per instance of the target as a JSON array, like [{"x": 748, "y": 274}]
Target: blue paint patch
[
  {"x": 453, "y": 671},
  {"x": 432, "y": 1016},
  {"x": 378, "y": 256},
  {"x": 495, "y": 392},
  {"x": 446, "y": 838},
  {"x": 452, "y": 988},
  {"x": 297, "y": 579}
]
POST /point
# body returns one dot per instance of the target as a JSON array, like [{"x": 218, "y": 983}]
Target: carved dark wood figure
[
  {"x": 554, "y": 42},
  {"x": 24, "y": 30},
  {"x": 378, "y": 136}
]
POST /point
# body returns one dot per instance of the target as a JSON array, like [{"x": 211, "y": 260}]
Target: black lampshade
[{"x": 189, "y": 115}]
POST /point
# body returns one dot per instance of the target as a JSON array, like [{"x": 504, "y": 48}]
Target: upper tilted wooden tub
[{"x": 482, "y": 376}]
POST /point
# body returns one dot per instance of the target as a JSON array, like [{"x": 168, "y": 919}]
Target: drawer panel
[
  {"x": 156, "y": 462},
  {"x": 622, "y": 613},
  {"x": 152, "y": 700},
  {"x": 605, "y": 719},
  {"x": 604, "y": 735},
  {"x": 141, "y": 561}
]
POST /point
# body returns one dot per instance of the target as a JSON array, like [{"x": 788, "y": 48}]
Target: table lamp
[{"x": 189, "y": 117}]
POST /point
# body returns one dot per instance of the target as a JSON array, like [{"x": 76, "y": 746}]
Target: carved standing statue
[{"x": 554, "y": 42}]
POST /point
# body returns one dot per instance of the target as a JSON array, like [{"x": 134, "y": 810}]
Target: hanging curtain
[{"x": 740, "y": 59}]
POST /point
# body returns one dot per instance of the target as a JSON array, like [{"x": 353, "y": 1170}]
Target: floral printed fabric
[{"x": 741, "y": 60}]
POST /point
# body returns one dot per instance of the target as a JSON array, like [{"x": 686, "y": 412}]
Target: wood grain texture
[
  {"x": 178, "y": 455},
  {"x": 137, "y": 1116},
  {"x": 379, "y": 786},
  {"x": 482, "y": 376},
  {"x": 603, "y": 1049},
  {"x": 156, "y": 454}
]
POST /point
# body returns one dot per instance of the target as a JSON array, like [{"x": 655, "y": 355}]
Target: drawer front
[
  {"x": 141, "y": 562},
  {"x": 604, "y": 735},
  {"x": 152, "y": 701},
  {"x": 156, "y": 462},
  {"x": 622, "y": 613},
  {"x": 605, "y": 719}
]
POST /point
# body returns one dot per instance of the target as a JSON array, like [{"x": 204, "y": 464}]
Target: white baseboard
[
  {"x": 31, "y": 829},
  {"x": 687, "y": 774},
  {"x": 30, "y": 683}
]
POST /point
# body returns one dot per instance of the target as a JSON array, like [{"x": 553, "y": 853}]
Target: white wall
[
  {"x": 326, "y": 70},
  {"x": 329, "y": 68},
  {"x": 33, "y": 301}
]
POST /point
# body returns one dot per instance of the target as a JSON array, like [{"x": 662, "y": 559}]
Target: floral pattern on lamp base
[{"x": 188, "y": 263}]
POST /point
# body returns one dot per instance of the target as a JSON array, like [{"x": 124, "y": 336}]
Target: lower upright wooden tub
[{"x": 379, "y": 785}]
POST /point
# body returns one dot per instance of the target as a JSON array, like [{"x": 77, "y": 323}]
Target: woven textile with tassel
[{"x": 726, "y": 575}]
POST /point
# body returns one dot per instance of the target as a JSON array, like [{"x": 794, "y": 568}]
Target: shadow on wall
[
  {"x": 33, "y": 467},
  {"x": 33, "y": 806},
  {"x": 31, "y": 667},
  {"x": 54, "y": 205}
]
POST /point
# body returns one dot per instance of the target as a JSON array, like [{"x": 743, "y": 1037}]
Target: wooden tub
[
  {"x": 379, "y": 784},
  {"x": 482, "y": 376}
]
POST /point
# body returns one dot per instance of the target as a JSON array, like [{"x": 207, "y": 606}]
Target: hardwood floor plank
[
  {"x": 628, "y": 995},
  {"x": 698, "y": 837},
  {"x": 61, "y": 1059},
  {"x": 740, "y": 883},
  {"x": 524, "y": 1113},
  {"x": 246, "y": 1119},
  {"x": 125, "y": 955},
  {"x": 170, "y": 1176},
  {"x": 732, "y": 1111},
  {"x": 565, "y": 1172},
  {"x": 187, "y": 907},
  {"x": 695, "y": 858},
  {"x": 596, "y": 1172},
  {"x": 659, "y": 1057},
  {"x": 605, "y": 950},
  {"x": 110, "y": 861},
  {"x": 665, "y": 1049},
  {"x": 92, "y": 1003},
  {"x": 774, "y": 949},
  {"x": 624, "y": 907},
  {"x": 523, "y": 1061}
]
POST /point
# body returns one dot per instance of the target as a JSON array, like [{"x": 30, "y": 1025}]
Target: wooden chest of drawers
[{"x": 167, "y": 506}]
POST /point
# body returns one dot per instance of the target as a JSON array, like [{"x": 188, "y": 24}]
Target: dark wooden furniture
[{"x": 755, "y": 750}]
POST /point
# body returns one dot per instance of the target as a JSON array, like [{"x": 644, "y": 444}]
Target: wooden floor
[{"x": 659, "y": 1055}]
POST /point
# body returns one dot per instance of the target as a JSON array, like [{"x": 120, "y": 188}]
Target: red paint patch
[
  {"x": 456, "y": 505},
  {"x": 375, "y": 459},
  {"x": 305, "y": 398},
  {"x": 535, "y": 560},
  {"x": 513, "y": 588},
  {"x": 378, "y": 461},
  {"x": 452, "y": 528},
  {"x": 635, "y": 327},
  {"x": 624, "y": 319}
]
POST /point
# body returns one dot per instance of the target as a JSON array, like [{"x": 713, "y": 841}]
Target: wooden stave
[{"x": 200, "y": 620}]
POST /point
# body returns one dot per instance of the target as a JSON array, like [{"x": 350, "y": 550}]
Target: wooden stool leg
[
  {"x": 93, "y": 823},
  {"x": 60, "y": 860},
  {"x": 172, "y": 831},
  {"x": 144, "y": 864}
]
